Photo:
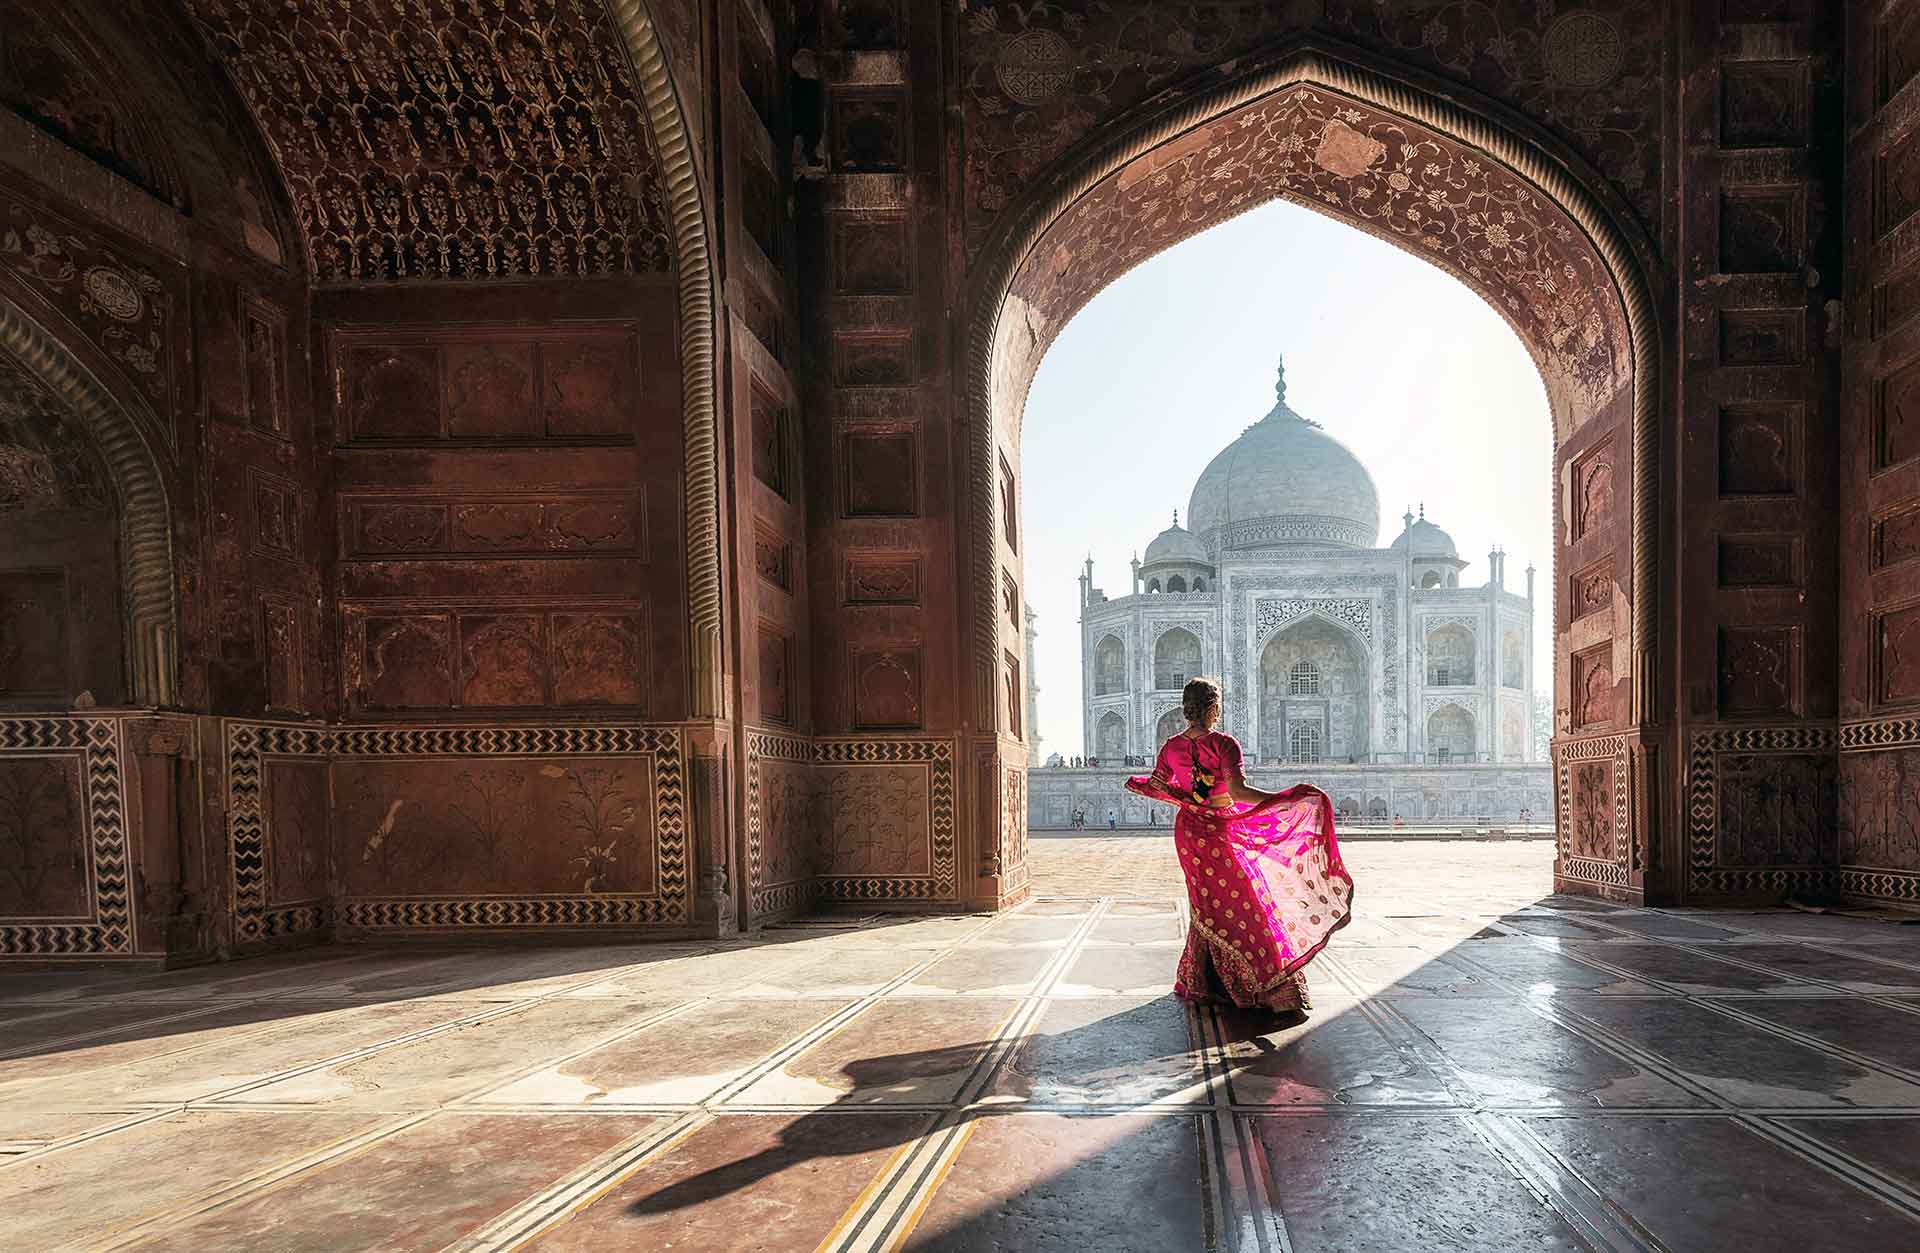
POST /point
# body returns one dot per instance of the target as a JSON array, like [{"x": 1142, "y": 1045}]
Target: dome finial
[
  {"x": 1280, "y": 382},
  {"x": 1176, "y": 519},
  {"x": 1423, "y": 511}
]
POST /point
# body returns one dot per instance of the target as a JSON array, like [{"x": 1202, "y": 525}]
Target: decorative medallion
[
  {"x": 114, "y": 293},
  {"x": 1583, "y": 50},
  {"x": 1035, "y": 66}
]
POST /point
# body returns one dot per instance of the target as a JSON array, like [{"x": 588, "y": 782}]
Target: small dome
[
  {"x": 1285, "y": 481},
  {"x": 1427, "y": 539},
  {"x": 1176, "y": 543}
]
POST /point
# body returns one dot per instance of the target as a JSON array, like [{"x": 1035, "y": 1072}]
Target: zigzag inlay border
[
  {"x": 110, "y": 932},
  {"x": 942, "y": 884},
  {"x": 1866, "y": 735},
  {"x": 249, "y": 743},
  {"x": 1704, "y": 747}
]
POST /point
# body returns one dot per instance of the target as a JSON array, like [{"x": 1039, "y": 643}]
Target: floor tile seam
[
  {"x": 1410, "y": 1042},
  {"x": 1839, "y": 1052},
  {"x": 835, "y": 1023},
  {"x": 1843, "y": 950},
  {"x": 1003, "y": 1043},
  {"x": 1684, "y": 990},
  {"x": 357, "y": 1054},
  {"x": 922, "y": 1165},
  {"x": 488, "y": 1014},
  {"x": 1596, "y": 1217},
  {"x": 567, "y": 1196},
  {"x": 665, "y": 1014},
  {"x": 134, "y": 1118},
  {"x": 1265, "y": 1213},
  {"x": 34, "y": 1050},
  {"x": 1859, "y": 1174},
  {"x": 1475, "y": 965},
  {"x": 249, "y": 1185},
  {"x": 1611, "y": 1041},
  {"x": 1697, "y": 951}
]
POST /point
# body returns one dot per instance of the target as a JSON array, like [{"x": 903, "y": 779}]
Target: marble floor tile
[
  {"x": 982, "y": 972},
  {"x": 900, "y": 1051},
  {"x": 1890, "y": 1146},
  {"x": 743, "y": 1183},
  {"x": 1887, "y": 1035},
  {"x": 1110, "y": 1181},
  {"x": 1335, "y": 1055},
  {"x": 1685, "y": 969},
  {"x": 1130, "y": 970},
  {"x": 1343, "y": 1181},
  {"x": 1709, "y": 1183},
  {"x": 682, "y": 1059},
  {"x": 1104, "y": 1052}
]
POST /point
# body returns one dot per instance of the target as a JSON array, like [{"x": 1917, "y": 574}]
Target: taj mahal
[{"x": 1378, "y": 672}]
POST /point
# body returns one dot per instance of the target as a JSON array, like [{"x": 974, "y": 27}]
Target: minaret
[
  {"x": 1529, "y": 583},
  {"x": 1086, "y": 581},
  {"x": 1033, "y": 692},
  {"x": 1136, "y": 574}
]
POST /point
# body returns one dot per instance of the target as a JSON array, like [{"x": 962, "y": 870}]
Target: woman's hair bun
[{"x": 1197, "y": 697}]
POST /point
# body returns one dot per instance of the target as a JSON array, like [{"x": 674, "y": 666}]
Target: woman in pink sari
[{"x": 1264, "y": 876}]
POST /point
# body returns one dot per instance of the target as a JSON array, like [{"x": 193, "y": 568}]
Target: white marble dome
[
  {"x": 1176, "y": 543},
  {"x": 1427, "y": 540},
  {"x": 1285, "y": 481}
]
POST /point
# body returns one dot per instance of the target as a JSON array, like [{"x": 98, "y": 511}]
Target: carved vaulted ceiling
[{"x": 465, "y": 139}]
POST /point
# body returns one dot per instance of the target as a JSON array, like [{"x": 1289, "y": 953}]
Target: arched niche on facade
[
  {"x": 1422, "y": 163},
  {"x": 1110, "y": 737},
  {"x": 86, "y": 540},
  {"x": 1176, "y": 658},
  {"x": 1109, "y": 666},
  {"x": 1451, "y": 734},
  {"x": 1340, "y": 668},
  {"x": 1171, "y": 723},
  {"x": 1450, "y": 656}
]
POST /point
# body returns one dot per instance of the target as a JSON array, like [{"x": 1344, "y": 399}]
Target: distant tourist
[
  {"x": 1113, "y": 819},
  {"x": 1284, "y": 837}
]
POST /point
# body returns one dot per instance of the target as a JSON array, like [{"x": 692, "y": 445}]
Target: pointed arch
[
  {"x": 146, "y": 528},
  {"x": 692, "y": 233}
]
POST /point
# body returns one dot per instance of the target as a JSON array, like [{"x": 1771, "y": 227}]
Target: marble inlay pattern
[{"x": 1486, "y": 1063}]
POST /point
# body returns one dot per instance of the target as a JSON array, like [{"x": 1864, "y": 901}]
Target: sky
[{"x": 1413, "y": 371}]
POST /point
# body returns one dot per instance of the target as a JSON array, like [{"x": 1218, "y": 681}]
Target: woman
[{"x": 1266, "y": 883}]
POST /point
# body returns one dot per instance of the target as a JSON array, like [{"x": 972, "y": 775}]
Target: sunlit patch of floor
[{"x": 1488, "y": 1066}]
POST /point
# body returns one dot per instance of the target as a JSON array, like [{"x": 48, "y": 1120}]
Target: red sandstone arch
[{"x": 1457, "y": 180}]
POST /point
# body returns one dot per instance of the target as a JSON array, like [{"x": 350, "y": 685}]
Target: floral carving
[{"x": 464, "y": 139}]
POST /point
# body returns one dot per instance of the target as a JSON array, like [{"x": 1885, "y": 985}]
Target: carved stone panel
[
  {"x": 881, "y": 474},
  {"x": 1759, "y": 449},
  {"x": 873, "y": 257},
  {"x": 1763, "y": 104},
  {"x": 874, "y": 820},
  {"x": 883, "y": 579},
  {"x": 1762, "y": 230},
  {"x": 1775, "y": 809},
  {"x": 775, "y": 450},
  {"x": 1591, "y": 590},
  {"x": 403, "y": 661},
  {"x": 283, "y": 650},
  {"x": 490, "y": 391},
  {"x": 264, "y": 329},
  {"x": 299, "y": 850},
  {"x": 1593, "y": 685},
  {"x": 44, "y": 870},
  {"x": 1896, "y": 182},
  {"x": 1593, "y": 489},
  {"x": 1759, "y": 671},
  {"x": 502, "y": 660},
  {"x": 1897, "y": 417},
  {"x": 1896, "y": 645},
  {"x": 275, "y": 514},
  {"x": 776, "y": 676},
  {"x": 498, "y": 524},
  {"x": 887, "y": 688},
  {"x": 599, "y": 658},
  {"x": 871, "y": 132},
  {"x": 1759, "y": 560},
  {"x": 393, "y": 393},
  {"x": 873, "y": 360},
  {"x": 773, "y": 557},
  {"x": 1880, "y": 808},
  {"x": 1762, "y": 336},
  {"x": 480, "y": 825},
  {"x": 590, "y": 386},
  {"x": 1896, "y": 536},
  {"x": 1590, "y": 802}
]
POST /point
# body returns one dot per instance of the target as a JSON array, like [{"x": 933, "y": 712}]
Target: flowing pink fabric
[{"x": 1266, "y": 882}]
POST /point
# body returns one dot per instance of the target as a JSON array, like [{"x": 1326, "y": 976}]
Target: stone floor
[{"x": 1488, "y": 1067}]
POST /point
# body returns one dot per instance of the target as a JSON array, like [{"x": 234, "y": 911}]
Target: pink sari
[{"x": 1266, "y": 883}]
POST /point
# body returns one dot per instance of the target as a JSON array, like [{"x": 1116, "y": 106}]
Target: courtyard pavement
[{"x": 1487, "y": 1067}]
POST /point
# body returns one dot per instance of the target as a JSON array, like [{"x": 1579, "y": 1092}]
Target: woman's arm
[{"x": 1245, "y": 793}]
